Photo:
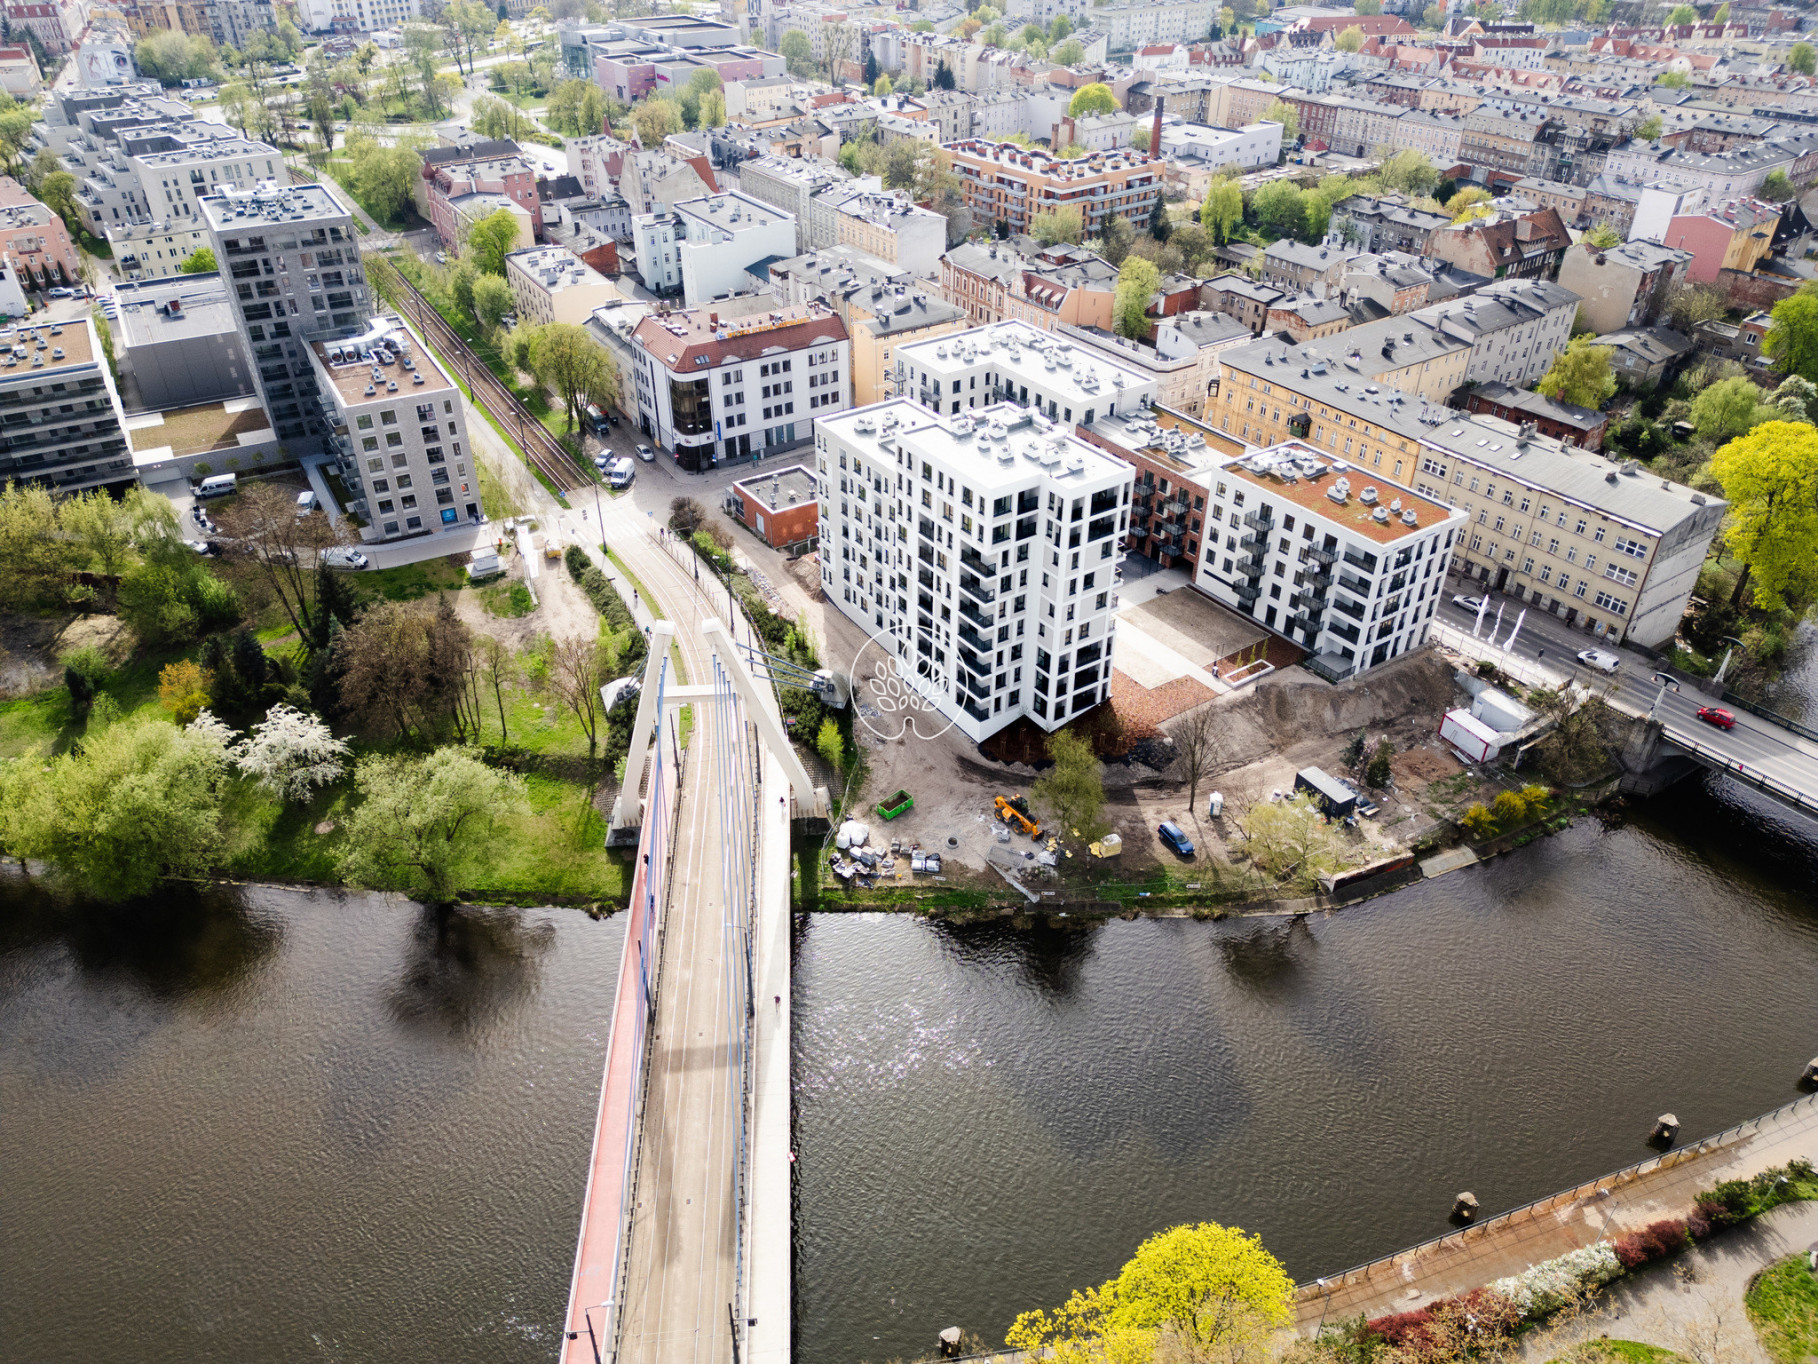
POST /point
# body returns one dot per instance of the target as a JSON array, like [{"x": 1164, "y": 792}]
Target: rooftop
[
  {"x": 1364, "y": 503},
  {"x": 780, "y": 489},
  {"x": 1539, "y": 405},
  {"x": 696, "y": 338},
  {"x": 994, "y": 448},
  {"x": 361, "y": 374},
  {"x": 1068, "y": 373},
  {"x": 196, "y": 430},
  {"x": 147, "y": 317},
  {"x": 270, "y": 205},
  {"x": 52, "y": 346},
  {"x": 555, "y": 268}
]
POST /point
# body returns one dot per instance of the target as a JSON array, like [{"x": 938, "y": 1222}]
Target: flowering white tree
[
  {"x": 217, "y": 732},
  {"x": 290, "y": 753}
]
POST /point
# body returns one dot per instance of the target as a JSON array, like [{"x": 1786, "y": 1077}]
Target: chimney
[{"x": 1155, "y": 131}]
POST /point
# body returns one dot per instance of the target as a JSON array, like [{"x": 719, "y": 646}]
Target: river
[
  {"x": 280, "y": 1125},
  {"x": 987, "y": 1118},
  {"x": 277, "y": 1125}
]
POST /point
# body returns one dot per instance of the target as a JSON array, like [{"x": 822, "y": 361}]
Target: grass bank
[{"x": 1782, "y": 1303}]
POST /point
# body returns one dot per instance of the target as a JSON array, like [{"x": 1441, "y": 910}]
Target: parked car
[
  {"x": 441, "y": 258},
  {"x": 61, "y": 292},
  {"x": 646, "y": 454},
  {"x": 306, "y": 503},
  {"x": 620, "y": 472},
  {"x": 342, "y": 557},
  {"x": 200, "y": 546},
  {"x": 201, "y": 518},
  {"x": 1717, "y": 715},
  {"x": 605, "y": 457},
  {"x": 1601, "y": 659},
  {"x": 1468, "y": 603},
  {"x": 1175, "y": 837}
]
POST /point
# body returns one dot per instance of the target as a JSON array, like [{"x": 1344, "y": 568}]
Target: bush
[
  {"x": 831, "y": 745},
  {"x": 604, "y": 596},
  {"x": 1550, "y": 1285},
  {"x": 706, "y": 545},
  {"x": 1478, "y": 822},
  {"x": 1656, "y": 1241},
  {"x": 1510, "y": 809},
  {"x": 686, "y": 515}
]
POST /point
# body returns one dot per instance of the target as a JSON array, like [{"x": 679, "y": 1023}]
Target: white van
[
  {"x": 220, "y": 485},
  {"x": 306, "y": 503},
  {"x": 620, "y": 472}
]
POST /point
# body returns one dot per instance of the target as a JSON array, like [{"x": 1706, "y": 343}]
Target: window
[
  {"x": 1624, "y": 576},
  {"x": 1609, "y": 603}
]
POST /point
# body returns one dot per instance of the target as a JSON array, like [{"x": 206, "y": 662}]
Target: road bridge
[
  {"x": 683, "y": 1256},
  {"x": 1767, "y": 752}
]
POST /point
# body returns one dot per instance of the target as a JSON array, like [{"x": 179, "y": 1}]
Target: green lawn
[
  {"x": 1783, "y": 1304},
  {"x": 1619, "y": 1352},
  {"x": 410, "y": 581}
]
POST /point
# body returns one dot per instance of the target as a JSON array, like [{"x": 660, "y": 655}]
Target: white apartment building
[
  {"x": 355, "y": 16},
  {"x": 983, "y": 548},
  {"x": 1332, "y": 556},
  {"x": 1128, "y": 26},
  {"x": 710, "y": 388},
  {"x": 552, "y": 284},
  {"x": 159, "y": 173},
  {"x": 1728, "y": 174},
  {"x": 1251, "y": 146},
  {"x": 704, "y": 247},
  {"x": 1515, "y": 328},
  {"x": 590, "y": 158},
  {"x": 1015, "y": 362}
]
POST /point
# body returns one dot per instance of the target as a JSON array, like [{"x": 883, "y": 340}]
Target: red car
[{"x": 1713, "y": 715}]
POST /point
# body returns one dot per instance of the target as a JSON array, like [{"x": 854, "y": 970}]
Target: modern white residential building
[
  {"x": 1253, "y": 145},
  {"x": 552, "y": 284},
  {"x": 711, "y": 388},
  {"x": 1332, "y": 556},
  {"x": 982, "y": 549},
  {"x": 1015, "y": 362},
  {"x": 1128, "y": 26},
  {"x": 705, "y": 247},
  {"x": 355, "y": 16}
]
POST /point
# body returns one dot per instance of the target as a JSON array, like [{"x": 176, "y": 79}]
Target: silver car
[{"x": 1601, "y": 659}]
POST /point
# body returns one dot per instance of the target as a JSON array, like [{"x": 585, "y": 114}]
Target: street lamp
[
  {"x": 1665, "y": 683},
  {"x": 1729, "y": 653}
]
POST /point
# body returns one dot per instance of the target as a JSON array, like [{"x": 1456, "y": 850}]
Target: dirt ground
[
  {"x": 30, "y": 647},
  {"x": 562, "y": 608}
]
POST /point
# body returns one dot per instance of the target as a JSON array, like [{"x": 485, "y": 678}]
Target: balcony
[
  {"x": 976, "y": 589},
  {"x": 1256, "y": 521},
  {"x": 977, "y": 712},
  {"x": 979, "y": 620},
  {"x": 979, "y": 687},
  {"x": 1248, "y": 592},
  {"x": 972, "y": 559},
  {"x": 975, "y": 639},
  {"x": 1349, "y": 608},
  {"x": 1319, "y": 669},
  {"x": 1250, "y": 565},
  {"x": 1321, "y": 554},
  {"x": 1358, "y": 585},
  {"x": 1254, "y": 543}
]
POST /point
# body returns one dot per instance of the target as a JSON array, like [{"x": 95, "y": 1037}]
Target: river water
[
  {"x": 283, "y": 1126},
  {"x": 277, "y": 1125},
  {"x": 988, "y": 1118}
]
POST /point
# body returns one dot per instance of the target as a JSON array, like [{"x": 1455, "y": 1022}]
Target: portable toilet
[{"x": 1215, "y": 807}]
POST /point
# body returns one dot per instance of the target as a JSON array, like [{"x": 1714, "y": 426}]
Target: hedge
[{"x": 604, "y": 596}]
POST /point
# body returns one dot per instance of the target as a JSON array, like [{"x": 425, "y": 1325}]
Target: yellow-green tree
[
  {"x": 1730, "y": 408},
  {"x": 1209, "y": 1289},
  {"x": 1580, "y": 374},
  {"x": 1286, "y": 115},
  {"x": 1223, "y": 209},
  {"x": 491, "y": 239},
  {"x": 1095, "y": 98},
  {"x": 1800, "y": 59},
  {"x": 1062, "y": 225},
  {"x": 1349, "y": 39},
  {"x": 1768, "y": 477},
  {"x": 656, "y": 119},
  {"x": 1792, "y": 338},
  {"x": 1137, "y": 281}
]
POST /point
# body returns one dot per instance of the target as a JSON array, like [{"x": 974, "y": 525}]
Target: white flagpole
[
  {"x": 1483, "y": 604},
  {"x": 1508, "y": 643},
  {"x": 1494, "y": 628}
]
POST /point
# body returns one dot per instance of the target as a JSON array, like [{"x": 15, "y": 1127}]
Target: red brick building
[{"x": 779, "y": 508}]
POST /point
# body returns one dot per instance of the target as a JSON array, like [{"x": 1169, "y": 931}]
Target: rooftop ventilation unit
[{"x": 1368, "y": 495}]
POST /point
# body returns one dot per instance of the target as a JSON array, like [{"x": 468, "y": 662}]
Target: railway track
[{"x": 545, "y": 453}]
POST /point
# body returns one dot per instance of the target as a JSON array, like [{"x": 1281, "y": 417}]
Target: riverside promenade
[{"x": 1606, "y": 1208}]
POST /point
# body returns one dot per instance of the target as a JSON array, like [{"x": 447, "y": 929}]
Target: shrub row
[
  {"x": 1658, "y": 1240},
  {"x": 604, "y": 596},
  {"x": 1483, "y": 1314}
]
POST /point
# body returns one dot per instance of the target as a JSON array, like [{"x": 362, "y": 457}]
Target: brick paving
[{"x": 1143, "y": 709}]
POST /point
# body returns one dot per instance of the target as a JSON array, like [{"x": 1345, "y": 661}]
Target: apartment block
[
  {"x": 788, "y": 183},
  {"x": 892, "y": 228},
  {"x": 552, "y": 284},
  {"x": 1623, "y": 286},
  {"x": 712, "y": 388},
  {"x": 1004, "y": 182},
  {"x": 1060, "y": 284},
  {"x": 1336, "y": 558},
  {"x": 1514, "y": 327},
  {"x": 291, "y": 259},
  {"x": 61, "y": 422},
  {"x": 33, "y": 240},
  {"x": 981, "y": 549},
  {"x": 706, "y": 248},
  {"x": 463, "y": 192}
]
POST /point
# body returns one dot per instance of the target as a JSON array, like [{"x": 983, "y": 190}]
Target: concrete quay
[{"x": 1606, "y": 1208}]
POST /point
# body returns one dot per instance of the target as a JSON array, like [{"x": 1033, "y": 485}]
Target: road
[{"x": 1758, "y": 744}]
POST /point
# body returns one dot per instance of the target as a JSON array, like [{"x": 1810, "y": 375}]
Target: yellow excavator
[{"x": 1014, "y": 811}]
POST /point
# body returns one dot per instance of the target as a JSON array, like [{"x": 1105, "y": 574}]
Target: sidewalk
[{"x": 1602, "y": 1209}]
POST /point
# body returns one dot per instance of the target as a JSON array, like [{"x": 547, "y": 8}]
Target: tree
[
  {"x": 1204, "y": 1292},
  {"x": 1603, "y": 237},
  {"x": 137, "y": 803},
  {"x": 271, "y": 545},
  {"x": 200, "y": 262},
  {"x": 1278, "y": 209},
  {"x": 1792, "y": 338},
  {"x": 1316, "y": 216},
  {"x": 491, "y": 301},
  {"x": 1071, "y": 53},
  {"x": 1775, "y": 187},
  {"x": 1060, "y": 28},
  {"x": 1197, "y": 749},
  {"x": 1290, "y": 840},
  {"x": 576, "y": 670},
  {"x": 1223, "y": 209},
  {"x": 166, "y": 602},
  {"x": 499, "y": 668},
  {"x": 1137, "y": 281},
  {"x": 881, "y": 87},
  {"x": 1801, "y": 60},
  {"x": 943, "y": 77},
  {"x": 1682, "y": 15},
  {"x": 291, "y": 753},
  {"x": 1767, "y": 477},
  {"x": 1408, "y": 172},
  {"x": 490, "y": 240},
  {"x": 1462, "y": 206},
  {"x": 1286, "y": 115},
  {"x": 1649, "y": 128},
  {"x": 1349, "y": 39},
  {"x": 1095, "y": 98},
  {"x": 1062, "y": 225},
  {"x": 1580, "y": 374},
  {"x": 1673, "y": 80},
  {"x": 183, "y": 690},
  {"x": 419, "y": 817},
  {"x": 1727, "y": 409},
  {"x": 408, "y": 669},
  {"x": 1072, "y": 790},
  {"x": 568, "y": 362},
  {"x": 1796, "y": 399},
  {"x": 106, "y": 531},
  {"x": 1689, "y": 304},
  {"x": 169, "y": 57},
  {"x": 1114, "y": 246},
  {"x": 382, "y": 177},
  {"x": 831, "y": 745},
  {"x": 797, "y": 53},
  {"x": 58, "y": 192},
  {"x": 34, "y": 556},
  {"x": 656, "y": 119}
]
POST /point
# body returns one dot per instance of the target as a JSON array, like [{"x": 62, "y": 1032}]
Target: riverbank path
[{"x": 1602, "y": 1209}]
